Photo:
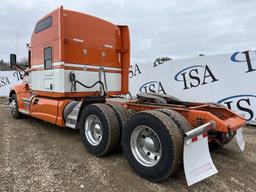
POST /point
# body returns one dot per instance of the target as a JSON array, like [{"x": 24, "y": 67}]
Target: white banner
[
  {"x": 227, "y": 79},
  {"x": 7, "y": 80}
]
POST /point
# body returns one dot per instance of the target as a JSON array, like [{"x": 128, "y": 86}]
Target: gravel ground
[{"x": 37, "y": 156}]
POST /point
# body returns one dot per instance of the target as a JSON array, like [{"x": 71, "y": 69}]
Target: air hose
[{"x": 74, "y": 81}]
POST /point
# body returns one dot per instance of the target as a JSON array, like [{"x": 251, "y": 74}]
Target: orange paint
[
  {"x": 225, "y": 119},
  {"x": 83, "y": 39},
  {"x": 78, "y": 38}
]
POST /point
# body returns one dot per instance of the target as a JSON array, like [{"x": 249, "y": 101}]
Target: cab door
[{"x": 48, "y": 81}]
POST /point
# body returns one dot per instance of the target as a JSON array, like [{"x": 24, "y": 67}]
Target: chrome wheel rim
[
  {"x": 93, "y": 130},
  {"x": 13, "y": 107},
  {"x": 146, "y": 146}
]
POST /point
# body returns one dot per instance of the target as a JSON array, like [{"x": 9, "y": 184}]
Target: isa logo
[
  {"x": 4, "y": 81},
  {"x": 247, "y": 57},
  {"x": 152, "y": 87},
  {"x": 242, "y": 104},
  {"x": 134, "y": 71},
  {"x": 195, "y": 76}
]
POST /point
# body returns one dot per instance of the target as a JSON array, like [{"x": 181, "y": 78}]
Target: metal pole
[{"x": 17, "y": 43}]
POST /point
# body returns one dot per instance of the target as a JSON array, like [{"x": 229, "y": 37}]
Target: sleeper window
[
  {"x": 44, "y": 24},
  {"x": 48, "y": 58}
]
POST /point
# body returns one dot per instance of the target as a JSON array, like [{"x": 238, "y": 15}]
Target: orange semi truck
[{"x": 77, "y": 73}]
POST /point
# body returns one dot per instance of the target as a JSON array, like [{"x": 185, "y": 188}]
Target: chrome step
[
  {"x": 70, "y": 125},
  {"x": 26, "y": 102},
  {"x": 71, "y": 122},
  {"x": 71, "y": 118},
  {"x": 25, "y": 112}
]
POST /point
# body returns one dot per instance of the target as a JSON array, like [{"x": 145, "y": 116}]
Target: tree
[{"x": 2, "y": 62}]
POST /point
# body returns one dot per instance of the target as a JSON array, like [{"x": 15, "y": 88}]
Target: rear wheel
[
  {"x": 180, "y": 121},
  {"x": 99, "y": 129},
  {"x": 122, "y": 115},
  {"x": 14, "y": 107},
  {"x": 152, "y": 144},
  {"x": 220, "y": 139}
]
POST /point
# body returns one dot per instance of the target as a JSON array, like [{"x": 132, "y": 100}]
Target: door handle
[{"x": 35, "y": 101}]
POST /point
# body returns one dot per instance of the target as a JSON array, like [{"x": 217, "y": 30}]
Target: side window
[
  {"x": 44, "y": 24},
  {"x": 48, "y": 58},
  {"x": 29, "y": 59}
]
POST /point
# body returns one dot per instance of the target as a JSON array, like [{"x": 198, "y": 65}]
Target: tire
[
  {"x": 101, "y": 119},
  {"x": 180, "y": 121},
  {"x": 214, "y": 145},
  {"x": 220, "y": 140},
  {"x": 160, "y": 128},
  {"x": 14, "y": 109},
  {"x": 131, "y": 112},
  {"x": 168, "y": 98},
  {"x": 122, "y": 115}
]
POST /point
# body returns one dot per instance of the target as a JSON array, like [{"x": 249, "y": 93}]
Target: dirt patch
[{"x": 38, "y": 156}]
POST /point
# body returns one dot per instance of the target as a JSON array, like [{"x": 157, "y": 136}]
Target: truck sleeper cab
[{"x": 79, "y": 67}]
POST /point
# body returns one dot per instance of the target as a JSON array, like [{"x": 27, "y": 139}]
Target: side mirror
[{"x": 12, "y": 60}]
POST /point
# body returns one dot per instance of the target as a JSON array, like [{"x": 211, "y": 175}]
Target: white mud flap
[
  {"x": 240, "y": 139},
  {"x": 197, "y": 160}
]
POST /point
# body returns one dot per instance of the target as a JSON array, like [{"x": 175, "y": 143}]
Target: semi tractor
[{"x": 77, "y": 77}]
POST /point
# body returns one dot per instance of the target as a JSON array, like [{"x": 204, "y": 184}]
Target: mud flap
[
  {"x": 240, "y": 139},
  {"x": 197, "y": 160}
]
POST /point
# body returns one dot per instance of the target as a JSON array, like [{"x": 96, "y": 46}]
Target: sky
[{"x": 158, "y": 28}]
